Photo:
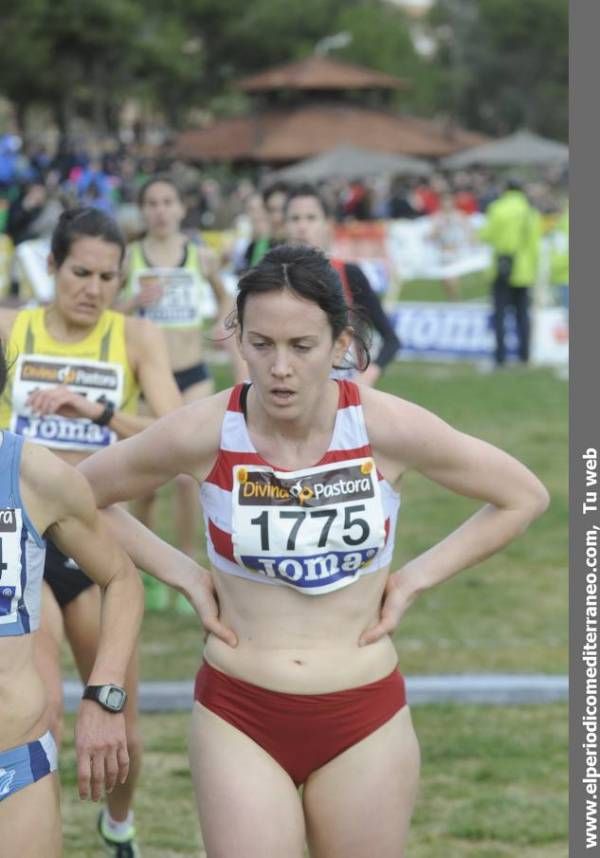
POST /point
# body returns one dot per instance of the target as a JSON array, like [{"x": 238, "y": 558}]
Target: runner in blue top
[{"x": 40, "y": 496}]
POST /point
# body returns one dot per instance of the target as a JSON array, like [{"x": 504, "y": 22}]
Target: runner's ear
[{"x": 342, "y": 346}]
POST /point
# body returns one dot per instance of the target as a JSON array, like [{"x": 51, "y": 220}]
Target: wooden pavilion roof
[
  {"x": 320, "y": 73},
  {"x": 284, "y": 136}
]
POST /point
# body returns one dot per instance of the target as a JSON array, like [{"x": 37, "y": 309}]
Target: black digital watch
[{"x": 110, "y": 697}]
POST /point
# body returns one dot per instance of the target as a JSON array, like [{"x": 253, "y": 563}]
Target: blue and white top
[{"x": 22, "y": 549}]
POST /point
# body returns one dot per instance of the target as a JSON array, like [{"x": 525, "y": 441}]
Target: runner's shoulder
[
  {"x": 208, "y": 412},
  {"x": 57, "y": 488},
  {"x": 142, "y": 332},
  {"x": 7, "y": 320},
  {"x": 393, "y": 422},
  {"x": 193, "y": 432}
]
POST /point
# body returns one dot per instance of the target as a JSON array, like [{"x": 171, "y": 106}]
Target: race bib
[
  {"x": 315, "y": 529},
  {"x": 98, "y": 380},
  {"x": 180, "y": 304},
  {"x": 10, "y": 563}
]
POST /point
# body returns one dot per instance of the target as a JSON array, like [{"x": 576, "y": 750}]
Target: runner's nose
[{"x": 281, "y": 365}]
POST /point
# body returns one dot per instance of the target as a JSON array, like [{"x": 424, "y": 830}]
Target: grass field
[
  {"x": 494, "y": 779},
  {"x": 472, "y": 287},
  {"x": 494, "y": 785}
]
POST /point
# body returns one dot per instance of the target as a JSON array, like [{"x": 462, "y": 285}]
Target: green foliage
[
  {"x": 500, "y": 64},
  {"x": 82, "y": 58},
  {"x": 381, "y": 40},
  {"x": 506, "y": 63}
]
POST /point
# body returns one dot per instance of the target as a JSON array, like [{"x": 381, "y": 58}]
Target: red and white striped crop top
[{"x": 314, "y": 529}]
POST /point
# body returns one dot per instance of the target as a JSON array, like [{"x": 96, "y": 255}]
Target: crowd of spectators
[{"x": 37, "y": 184}]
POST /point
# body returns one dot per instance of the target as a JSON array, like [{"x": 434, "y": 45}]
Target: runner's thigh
[
  {"x": 359, "y": 805},
  {"x": 82, "y": 626},
  {"x": 248, "y": 806},
  {"x": 30, "y": 825}
]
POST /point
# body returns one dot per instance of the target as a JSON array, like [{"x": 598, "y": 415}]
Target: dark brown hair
[
  {"x": 83, "y": 223},
  {"x": 307, "y": 272}
]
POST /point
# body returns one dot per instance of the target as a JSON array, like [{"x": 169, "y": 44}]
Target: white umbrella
[
  {"x": 350, "y": 162},
  {"x": 519, "y": 149}
]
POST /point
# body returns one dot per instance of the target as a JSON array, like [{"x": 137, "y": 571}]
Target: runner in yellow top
[
  {"x": 96, "y": 367},
  {"x": 171, "y": 281},
  {"x": 76, "y": 368}
]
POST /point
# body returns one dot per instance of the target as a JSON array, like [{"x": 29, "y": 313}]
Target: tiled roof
[
  {"x": 289, "y": 135},
  {"x": 320, "y": 73}
]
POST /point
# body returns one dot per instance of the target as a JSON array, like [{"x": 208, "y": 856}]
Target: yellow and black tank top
[
  {"x": 96, "y": 367},
  {"x": 184, "y": 289}
]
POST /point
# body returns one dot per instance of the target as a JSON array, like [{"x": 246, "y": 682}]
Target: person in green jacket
[
  {"x": 559, "y": 258},
  {"x": 513, "y": 229}
]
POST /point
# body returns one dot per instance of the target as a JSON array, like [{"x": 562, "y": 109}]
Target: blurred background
[{"x": 412, "y": 118}]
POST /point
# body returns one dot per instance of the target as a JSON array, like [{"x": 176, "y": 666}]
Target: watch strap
[{"x": 106, "y": 416}]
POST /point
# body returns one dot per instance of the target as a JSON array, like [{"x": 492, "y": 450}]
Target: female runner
[
  {"x": 299, "y": 476},
  {"x": 76, "y": 371},
  {"x": 169, "y": 281},
  {"x": 42, "y": 496}
]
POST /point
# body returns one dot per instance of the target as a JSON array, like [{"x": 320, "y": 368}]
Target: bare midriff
[
  {"x": 299, "y": 644},
  {"x": 22, "y": 693},
  {"x": 184, "y": 346}
]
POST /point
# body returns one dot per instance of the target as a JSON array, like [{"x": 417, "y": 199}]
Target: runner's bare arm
[
  {"x": 151, "y": 362},
  {"x": 61, "y": 505},
  {"x": 183, "y": 441},
  {"x": 209, "y": 265},
  {"x": 418, "y": 440},
  {"x": 171, "y": 566}
]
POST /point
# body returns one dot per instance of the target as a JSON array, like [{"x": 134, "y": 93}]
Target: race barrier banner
[
  {"x": 366, "y": 243},
  {"x": 460, "y": 331},
  {"x": 421, "y": 249},
  {"x": 416, "y": 254}
]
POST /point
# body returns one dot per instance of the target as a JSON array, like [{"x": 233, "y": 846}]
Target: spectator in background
[
  {"x": 450, "y": 233},
  {"x": 309, "y": 222},
  {"x": 427, "y": 195},
  {"x": 93, "y": 186},
  {"x": 274, "y": 198},
  {"x": 513, "y": 230},
  {"x": 486, "y": 188},
  {"x": 356, "y": 202},
  {"x": 32, "y": 218},
  {"x": 400, "y": 203},
  {"x": 24, "y": 211},
  {"x": 259, "y": 238},
  {"x": 195, "y": 212},
  {"x": 266, "y": 214},
  {"x": 559, "y": 257},
  {"x": 35, "y": 211},
  {"x": 464, "y": 199}
]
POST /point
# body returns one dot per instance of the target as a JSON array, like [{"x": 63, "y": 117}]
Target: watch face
[{"x": 115, "y": 698}]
